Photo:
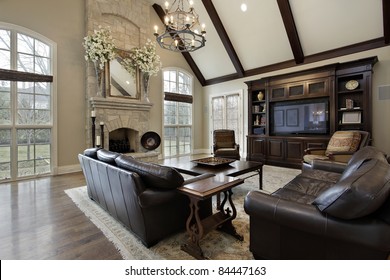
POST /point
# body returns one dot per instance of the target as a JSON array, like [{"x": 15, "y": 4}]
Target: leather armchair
[
  {"x": 225, "y": 144},
  {"x": 332, "y": 158}
]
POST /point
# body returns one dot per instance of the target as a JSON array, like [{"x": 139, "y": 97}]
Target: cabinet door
[
  {"x": 294, "y": 150},
  {"x": 275, "y": 148},
  {"x": 257, "y": 149}
]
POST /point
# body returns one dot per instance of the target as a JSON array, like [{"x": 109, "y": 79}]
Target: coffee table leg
[
  {"x": 195, "y": 231},
  {"x": 260, "y": 171}
]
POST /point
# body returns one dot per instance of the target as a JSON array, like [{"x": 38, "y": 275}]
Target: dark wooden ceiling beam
[
  {"x": 386, "y": 20},
  {"x": 292, "y": 33},
  {"x": 224, "y": 36},
  {"x": 355, "y": 48},
  {"x": 160, "y": 12}
]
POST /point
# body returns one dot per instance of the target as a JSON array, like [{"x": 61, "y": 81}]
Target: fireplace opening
[{"x": 123, "y": 140}]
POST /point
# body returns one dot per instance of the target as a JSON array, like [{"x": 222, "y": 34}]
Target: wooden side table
[{"x": 222, "y": 219}]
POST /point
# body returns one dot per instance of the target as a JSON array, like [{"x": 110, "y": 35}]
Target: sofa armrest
[
  {"x": 285, "y": 212},
  {"x": 330, "y": 166},
  {"x": 307, "y": 218},
  {"x": 315, "y": 151}
]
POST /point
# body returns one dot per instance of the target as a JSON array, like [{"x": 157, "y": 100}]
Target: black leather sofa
[
  {"x": 142, "y": 196},
  {"x": 326, "y": 215}
]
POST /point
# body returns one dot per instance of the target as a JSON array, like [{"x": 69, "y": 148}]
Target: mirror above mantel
[{"x": 123, "y": 84}]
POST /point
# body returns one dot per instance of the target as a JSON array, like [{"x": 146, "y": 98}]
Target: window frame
[
  {"x": 15, "y": 76},
  {"x": 177, "y": 97}
]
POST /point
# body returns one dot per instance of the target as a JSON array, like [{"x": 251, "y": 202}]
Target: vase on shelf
[
  {"x": 102, "y": 79},
  {"x": 260, "y": 96},
  {"x": 145, "y": 83}
]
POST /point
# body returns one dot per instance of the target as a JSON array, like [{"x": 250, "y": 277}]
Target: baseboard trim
[{"x": 68, "y": 169}]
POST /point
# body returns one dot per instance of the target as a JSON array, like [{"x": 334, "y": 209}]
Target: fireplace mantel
[{"x": 119, "y": 104}]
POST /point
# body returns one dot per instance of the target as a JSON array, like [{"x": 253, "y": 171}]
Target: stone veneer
[{"x": 129, "y": 21}]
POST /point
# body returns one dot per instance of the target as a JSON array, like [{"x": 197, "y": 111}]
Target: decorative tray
[{"x": 213, "y": 161}]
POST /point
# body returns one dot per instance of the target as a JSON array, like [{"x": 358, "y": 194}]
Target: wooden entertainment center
[{"x": 292, "y": 112}]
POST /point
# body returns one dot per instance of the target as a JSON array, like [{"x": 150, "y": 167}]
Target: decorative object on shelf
[
  {"x": 180, "y": 33},
  {"x": 349, "y": 103},
  {"x": 352, "y": 84},
  {"x": 100, "y": 49},
  {"x": 351, "y": 117},
  {"x": 264, "y": 107},
  {"x": 146, "y": 61},
  {"x": 260, "y": 96}
]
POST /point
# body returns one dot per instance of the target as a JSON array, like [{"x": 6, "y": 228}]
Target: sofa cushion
[
  {"x": 91, "y": 152},
  {"x": 107, "y": 156},
  {"x": 343, "y": 141},
  {"x": 359, "y": 194},
  {"x": 153, "y": 175},
  {"x": 228, "y": 144}
]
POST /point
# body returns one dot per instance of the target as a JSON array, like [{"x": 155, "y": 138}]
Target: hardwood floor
[{"x": 39, "y": 221}]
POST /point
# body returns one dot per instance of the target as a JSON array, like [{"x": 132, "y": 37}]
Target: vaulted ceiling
[{"x": 277, "y": 34}]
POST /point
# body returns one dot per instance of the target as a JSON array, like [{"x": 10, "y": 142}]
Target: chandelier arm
[{"x": 178, "y": 35}]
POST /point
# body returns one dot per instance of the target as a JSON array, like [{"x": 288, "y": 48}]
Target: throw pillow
[
  {"x": 153, "y": 175},
  {"x": 359, "y": 194},
  {"x": 344, "y": 141}
]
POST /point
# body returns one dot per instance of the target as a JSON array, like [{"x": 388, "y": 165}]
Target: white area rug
[{"x": 216, "y": 245}]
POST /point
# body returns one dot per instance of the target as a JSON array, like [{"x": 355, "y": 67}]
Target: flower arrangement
[
  {"x": 99, "y": 46},
  {"x": 145, "y": 59}
]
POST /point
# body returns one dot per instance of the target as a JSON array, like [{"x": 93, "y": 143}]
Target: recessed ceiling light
[{"x": 244, "y": 7}]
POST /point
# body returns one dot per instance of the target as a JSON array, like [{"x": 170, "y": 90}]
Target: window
[
  {"x": 26, "y": 102},
  {"x": 226, "y": 113},
  {"x": 177, "y": 138}
]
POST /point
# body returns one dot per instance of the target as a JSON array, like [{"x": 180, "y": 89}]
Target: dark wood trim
[
  {"x": 18, "y": 76},
  {"x": 386, "y": 20},
  {"x": 292, "y": 33},
  {"x": 160, "y": 12},
  {"x": 224, "y": 37},
  {"x": 359, "y": 47},
  {"x": 172, "y": 96}
]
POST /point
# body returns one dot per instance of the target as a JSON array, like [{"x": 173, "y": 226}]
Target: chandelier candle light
[{"x": 180, "y": 22}]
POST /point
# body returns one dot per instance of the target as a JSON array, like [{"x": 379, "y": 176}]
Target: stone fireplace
[{"x": 125, "y": 121}]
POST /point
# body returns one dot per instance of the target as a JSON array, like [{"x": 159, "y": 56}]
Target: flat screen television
[{"x": 300, "y": 117}]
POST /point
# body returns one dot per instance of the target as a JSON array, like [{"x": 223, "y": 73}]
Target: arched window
[
  {"x": 178, "y": 99},
  {"x": 26, "y": 103}
]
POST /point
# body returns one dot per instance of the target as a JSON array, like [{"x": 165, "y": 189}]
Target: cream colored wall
[
  {"x": 381, "y": 109},
  {"x": 63, "y": 23}
]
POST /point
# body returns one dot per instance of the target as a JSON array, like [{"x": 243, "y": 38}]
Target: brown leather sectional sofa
[
  {"x": 326, "y": 215},
  {"x": 139, "y": 195}
]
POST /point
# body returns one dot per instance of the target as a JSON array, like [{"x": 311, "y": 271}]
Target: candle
[
  {"x": 97, "y": 140},
  {"x": 93, "y": 113},
  {"x": 155, "y": 29},
  {"x": 166, "y": 5},
  {"x": 101, "y": 123},
  {"x": 203, "y": 27}
]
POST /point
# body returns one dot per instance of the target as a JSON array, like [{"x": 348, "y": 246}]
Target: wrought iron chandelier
[{"x": 180, "y": 33}]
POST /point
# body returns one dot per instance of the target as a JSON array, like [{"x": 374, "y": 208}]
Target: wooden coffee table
[
  {"x": 221, "y": 220},
  {"x": 233, "y": 169}
]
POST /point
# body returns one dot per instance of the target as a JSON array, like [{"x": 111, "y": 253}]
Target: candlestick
[
  {"x": 93, "y": 130},
  {"x": 102, "y": 133}
]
